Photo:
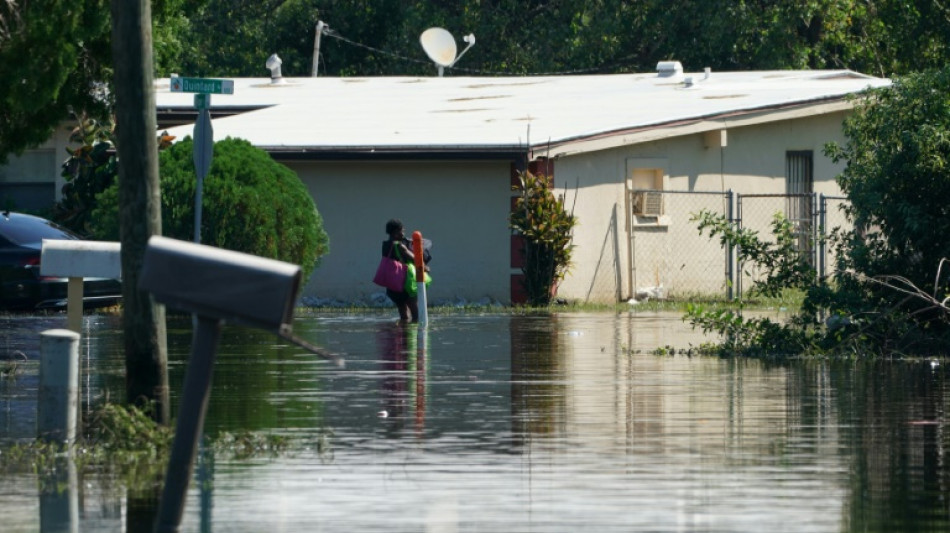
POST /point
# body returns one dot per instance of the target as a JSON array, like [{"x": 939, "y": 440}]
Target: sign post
[
  {"x": 417, "y": 251},
  {"x": 204, "y": 134}
]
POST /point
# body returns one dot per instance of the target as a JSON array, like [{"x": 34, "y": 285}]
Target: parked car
[{"x": 21, "y": 285}]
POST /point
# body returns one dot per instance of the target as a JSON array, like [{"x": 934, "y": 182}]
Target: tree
[
  {"x": 897, "y": 178},
  {"x": 883, "y": 37},
  {"x": 251, "y": 204},
  {"x": 54, "y": 57}
]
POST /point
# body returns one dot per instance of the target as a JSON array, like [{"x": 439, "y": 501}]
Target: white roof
[{"x": 497, "y": 113}]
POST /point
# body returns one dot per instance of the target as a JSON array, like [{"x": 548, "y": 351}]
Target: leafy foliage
[
  {"x": 885, "y": 37},
  {"x": 546, "y": 226},
  {"x": 56, "y": 59},
  {"x": 89, "y": 170},
  {"x": 126, "y": 443},
  {"x": 890, "y": 290},
  {"x": 778, "y": 265},
  {"x": 897, "y": 178},
  {"x": 251, "y": 204},
  {"x": 53, "y": 57}
]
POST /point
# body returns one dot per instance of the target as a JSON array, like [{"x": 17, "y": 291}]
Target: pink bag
[{"x": 391, "y": 274}]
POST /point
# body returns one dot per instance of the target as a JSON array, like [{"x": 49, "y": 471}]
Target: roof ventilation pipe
[
  {"x": 707, "y": 72},
  {"x": 273, "y": 64},
  {"x": 669, "y": 69}
]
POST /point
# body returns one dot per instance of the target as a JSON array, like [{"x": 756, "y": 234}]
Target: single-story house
[{"x": 442, "y": 155}]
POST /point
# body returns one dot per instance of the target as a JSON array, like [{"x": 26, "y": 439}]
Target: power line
[{"x": 332, "y": 33}]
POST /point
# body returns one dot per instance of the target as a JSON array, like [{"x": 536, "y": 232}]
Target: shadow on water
[{"x": 524, "y": 423}]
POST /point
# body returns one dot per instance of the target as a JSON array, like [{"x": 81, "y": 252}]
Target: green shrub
[
  {"x": 547, "y": 228},
  {"x": 250, "y": 204}
]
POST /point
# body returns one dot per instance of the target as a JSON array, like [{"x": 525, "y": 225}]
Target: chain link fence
[
  {"x": 670, "y": 259},
  {"x": 831, "y": 217},
  {"x": 758, "y": 212}
]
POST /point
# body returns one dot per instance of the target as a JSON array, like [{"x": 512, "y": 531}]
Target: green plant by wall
[
  {"x": 89, "y": 170},
  {"x": 547, "y": 227},
  {"x": 781, "y": 266},
  {"x": 251, "y": 204}
]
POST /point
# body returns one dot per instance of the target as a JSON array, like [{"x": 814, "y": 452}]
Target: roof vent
[
  {"x": 668, "y": 69},
  {"x": 273, "y": 65}
]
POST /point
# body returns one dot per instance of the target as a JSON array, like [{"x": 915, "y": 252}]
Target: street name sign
[{"x": 202, "y": 85}]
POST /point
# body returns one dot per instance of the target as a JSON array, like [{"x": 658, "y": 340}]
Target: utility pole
[
  {"x": 140, "y": 215},
  {"x": 316, "y": 48}
]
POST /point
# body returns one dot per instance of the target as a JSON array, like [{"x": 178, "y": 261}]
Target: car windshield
[{"x": 26, "y": 230}]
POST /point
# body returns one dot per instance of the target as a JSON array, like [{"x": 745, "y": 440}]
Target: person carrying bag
[{"x": 393, "y": 272}]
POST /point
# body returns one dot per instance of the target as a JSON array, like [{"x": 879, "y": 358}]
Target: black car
[{"x": 21, "y": 285}]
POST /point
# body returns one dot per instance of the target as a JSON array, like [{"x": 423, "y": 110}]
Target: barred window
[{"x": 799, "y": 185}]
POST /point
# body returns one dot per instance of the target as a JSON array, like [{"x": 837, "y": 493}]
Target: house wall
[
  {"x": 32, "y": 181},
  {"x": 607, "y": 269},
  {"x": 462, "y": 206}
]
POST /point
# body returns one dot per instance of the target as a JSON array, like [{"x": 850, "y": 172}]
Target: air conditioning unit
[{"x": 648, "y": 203}]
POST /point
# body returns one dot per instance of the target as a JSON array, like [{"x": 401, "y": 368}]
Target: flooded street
[{"x": 501, "y": 423}]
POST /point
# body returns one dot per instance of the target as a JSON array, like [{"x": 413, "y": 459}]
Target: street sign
[
  {"x": 204, "y": 135},
  {"x": 202, "y": 85},
  {"x": 202, "y": 101}
]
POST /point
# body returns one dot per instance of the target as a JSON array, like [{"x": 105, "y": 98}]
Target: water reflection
[
  {"x": 534, "y": 423},
  {"x": 59, "y": 497},
  {"x": 901, "y": 478},
  {"x": 404, "y": 364}
]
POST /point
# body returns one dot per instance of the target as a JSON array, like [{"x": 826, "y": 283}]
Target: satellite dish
[{"x": 440, "y": 47}]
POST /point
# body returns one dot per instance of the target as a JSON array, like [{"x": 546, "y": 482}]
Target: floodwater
[{"x": 500, "y": 423}]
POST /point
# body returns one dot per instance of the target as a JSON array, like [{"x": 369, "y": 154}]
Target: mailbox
[
  {"x": 221, "y": 284},
  {"x": 215, "y": 285},
  {"x": 80, "y": 259}
]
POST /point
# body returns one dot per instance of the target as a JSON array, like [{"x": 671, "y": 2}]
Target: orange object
[{"x": 417, "y": 252}]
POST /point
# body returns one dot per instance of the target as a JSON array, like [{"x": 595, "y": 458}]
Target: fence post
[
  {"x": 821, "y": 233},
  {"x": 58, "y": 406},
  {"x": 731, "y": 278}
]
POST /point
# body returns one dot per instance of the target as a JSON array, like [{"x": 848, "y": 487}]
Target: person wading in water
[{"x": 400, "y": 248}]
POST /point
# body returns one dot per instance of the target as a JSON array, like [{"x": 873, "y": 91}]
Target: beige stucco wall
[
  {"x": 41, "y": 164},
  {"x": 461, "y": 206},
  {"x": 673, "y": 254}
]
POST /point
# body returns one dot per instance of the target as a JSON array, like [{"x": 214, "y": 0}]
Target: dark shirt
[{"x": 387, "y": 244}]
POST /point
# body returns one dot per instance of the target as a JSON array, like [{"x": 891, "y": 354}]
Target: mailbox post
[{"x": 215, "y": 285}]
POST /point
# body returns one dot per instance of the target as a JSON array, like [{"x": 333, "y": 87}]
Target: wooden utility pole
[{"x": 140, "y": 215}]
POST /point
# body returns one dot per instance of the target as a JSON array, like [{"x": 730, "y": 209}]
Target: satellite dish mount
[{"x": 440, "y": 47}]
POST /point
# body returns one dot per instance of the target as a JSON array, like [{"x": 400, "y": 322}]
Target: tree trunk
[{"x": 140, "y": 213}]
